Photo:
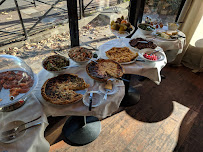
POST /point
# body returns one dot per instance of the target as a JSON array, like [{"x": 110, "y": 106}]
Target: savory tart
[
  {"x": 61, "y": 89},
  {"x": 103, "y": 69},
  {"x": 121, "y": 55}
]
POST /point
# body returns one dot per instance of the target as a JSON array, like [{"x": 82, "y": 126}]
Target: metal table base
[
  {"x": 132, "y": 95},
  {"x": 81, "y": 130}
]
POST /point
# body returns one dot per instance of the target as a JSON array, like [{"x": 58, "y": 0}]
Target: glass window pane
[
  {"x": 162, "y": 10},
  {"x": 96, "y": 31}
]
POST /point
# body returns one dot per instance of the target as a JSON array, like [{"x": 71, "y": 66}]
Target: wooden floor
[{"x": 168, "y": 118}]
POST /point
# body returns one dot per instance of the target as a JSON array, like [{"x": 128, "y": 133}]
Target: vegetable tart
[{"x": 61, "y": 89}]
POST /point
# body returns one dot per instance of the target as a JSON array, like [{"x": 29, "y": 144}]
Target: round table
[
  {"x": 171, "y": 48},
  {"x": 83, "y": 126},
  {"x": 147, "y": 69}
]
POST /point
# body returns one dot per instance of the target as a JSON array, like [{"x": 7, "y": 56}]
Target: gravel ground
[{"x": 95, "y": 33}]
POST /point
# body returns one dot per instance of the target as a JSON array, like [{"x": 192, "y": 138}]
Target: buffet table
[
  {"x": 106, "y": 108},
  {"x": 36, "y": 105},
  {"x": 148, "y": 69},
  {"x": 171, "y": 47}
]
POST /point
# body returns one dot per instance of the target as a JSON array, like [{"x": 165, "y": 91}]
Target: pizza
[
  {"x": 121, "y": 55},
  {"x": 103, "y": 69},
  {"x": 61, "y": 89},
  {"x": 17, "y": 81}
]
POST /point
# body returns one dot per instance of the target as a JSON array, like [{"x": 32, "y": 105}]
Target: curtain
[{"x": 192, "y": 18}]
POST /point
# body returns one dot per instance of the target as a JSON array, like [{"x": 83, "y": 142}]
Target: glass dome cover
[{"x": 17, "y": 80}]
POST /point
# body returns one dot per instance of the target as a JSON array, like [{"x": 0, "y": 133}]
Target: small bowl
[
  {"x": 160, "y": 55},
  {"x": 173, "y": 26},
  {"x": 78, "y": 48},
  {"x": 145, "y": 31},
  {"x": 54, "y": 58}
]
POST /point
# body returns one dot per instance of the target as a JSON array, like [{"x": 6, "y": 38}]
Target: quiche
[
  {"x": 103, "y": 69},
  {"x": 121, "y": 55},
  {"x": 61, "y": 89}
]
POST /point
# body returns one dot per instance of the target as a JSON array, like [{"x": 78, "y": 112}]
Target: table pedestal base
[
  {"x": 82, "y": 130},
  {"x": 131, "y": 97}
]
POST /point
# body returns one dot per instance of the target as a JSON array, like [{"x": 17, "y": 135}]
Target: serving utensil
[
  {"x": 119, "y": 78},
  {"x": 90, "y": 98},
  {"x": 93, "y": 48},
  {"x": 92, "y": 60},
  {"x": 140, "y": 60},
  {"x": 12, "y": 131},
  {"x": 72, "y": 66},
  {"x": 58, "y": 53},
  {"x": 143, "y": 41},
  {"x": 106, "y": 93},
  {"x": 177, "y": 36},
  {"x": 24, "y": 76},
  {"x": 17, "y": 132},
  {"x": 122, "y": 79},
  {"x": 154, "y": 52}
]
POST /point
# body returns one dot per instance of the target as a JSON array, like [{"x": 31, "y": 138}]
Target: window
[{"x": 162, "y": 10}]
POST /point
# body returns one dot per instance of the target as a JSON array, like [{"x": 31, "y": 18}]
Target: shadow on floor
[{"x": 190, "y": 137}]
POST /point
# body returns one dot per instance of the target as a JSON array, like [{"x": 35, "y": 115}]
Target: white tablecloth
[
  {"x": 148, "y": 69},
  {"x": 33, "y": 140},
  {"x": 106, "y": 108},
  {"x": 171, "y": 48}
]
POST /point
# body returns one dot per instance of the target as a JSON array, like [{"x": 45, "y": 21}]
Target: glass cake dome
[{"x": 17, "y": 80}]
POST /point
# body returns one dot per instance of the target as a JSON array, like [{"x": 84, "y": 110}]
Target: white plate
[
  {"x": 129, "y": 62},
  {"x": 160, "y": 55},
  {"x": 135, "y": 48},
  {"x": 164, "y": 38},
  {"x": 12, "y": 125},
  {"x": 116, "y": 33},
  {"x": 97, "y": 98},
  {"x": 130, "y": 50},
  {"x": 159, "y": 37},
  {"x": 113, "y": 91}
]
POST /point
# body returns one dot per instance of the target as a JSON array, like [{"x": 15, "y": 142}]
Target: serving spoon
[
  {"x": 72, "y": 66},
  {"x": 154, "y": 52},
  {"x": 119, "y": 78}
]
